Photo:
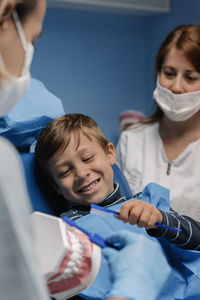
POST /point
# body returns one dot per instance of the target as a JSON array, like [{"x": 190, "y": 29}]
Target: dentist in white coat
[{"x": 20, "y": 25}]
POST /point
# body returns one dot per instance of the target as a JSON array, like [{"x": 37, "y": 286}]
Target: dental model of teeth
[{"x": 67, "y": 259}]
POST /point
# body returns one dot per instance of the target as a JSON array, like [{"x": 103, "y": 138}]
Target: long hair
[
  {"x": 185, "y": 38},
  {"x": 24, "y": 8}
]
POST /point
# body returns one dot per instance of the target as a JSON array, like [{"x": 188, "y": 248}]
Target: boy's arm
[
  {"x": 188, "y": 238},
  {"x": 143, "y": 214}
]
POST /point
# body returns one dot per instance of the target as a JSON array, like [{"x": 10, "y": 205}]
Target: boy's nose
[{"x": 82, "y": 171}]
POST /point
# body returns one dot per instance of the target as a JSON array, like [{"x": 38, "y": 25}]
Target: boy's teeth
[{"x": 89, "y": 187}]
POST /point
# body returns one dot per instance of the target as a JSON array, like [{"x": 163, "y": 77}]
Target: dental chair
[
  {"x": 184, "y": 279},
  {"x": 45, "y": 199}
]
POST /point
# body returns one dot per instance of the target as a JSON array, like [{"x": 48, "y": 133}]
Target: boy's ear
[
  {"x": 111, "y": 153},
  {"x": 6, "y": 10}
]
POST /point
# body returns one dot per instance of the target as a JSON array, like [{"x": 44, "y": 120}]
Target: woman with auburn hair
[{"x": 164, "y": 148}]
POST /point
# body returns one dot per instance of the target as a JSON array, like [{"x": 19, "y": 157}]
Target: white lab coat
[
  {"x": 19, "y": 277},
  {"x": 141, "y": 157}
]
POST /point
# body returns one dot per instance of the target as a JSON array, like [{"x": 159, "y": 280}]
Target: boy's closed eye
[
  {"x": 88, "y": 158},
  {"x": 63, "y": 173}
]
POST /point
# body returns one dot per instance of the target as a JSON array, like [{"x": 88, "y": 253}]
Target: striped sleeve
[{"x": 187, "y": 238}]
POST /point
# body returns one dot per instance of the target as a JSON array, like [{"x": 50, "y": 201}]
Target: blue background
[{"x": 101, "y": 64}]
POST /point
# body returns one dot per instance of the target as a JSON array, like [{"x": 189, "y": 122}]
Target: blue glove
[{"x": 139, "y": 269}]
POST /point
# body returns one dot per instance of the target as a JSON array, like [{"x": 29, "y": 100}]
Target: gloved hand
[{"x": 139, "y": 269}]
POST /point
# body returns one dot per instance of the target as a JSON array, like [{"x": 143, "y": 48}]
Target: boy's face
[{"x": 84, "y": 174}]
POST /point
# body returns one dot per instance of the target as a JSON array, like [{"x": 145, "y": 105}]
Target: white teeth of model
[
  {"x": 75, "y": 260},
  {"x": 75, "y": 270},
  {"x": 77, "y": 249},
  {"x": 72, "y": 267},
  {"x": 68, "y": 271},
  {"x": 78, "y": 262},
  {"x": 73, "y": 238},
  {"x": 71, "y": 264},
  {"x": 75, "y": 257},
  {"x": 76, "y": 244}
]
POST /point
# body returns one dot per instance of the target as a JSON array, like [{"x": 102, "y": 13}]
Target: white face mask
[
  {"x": 13, "y": 88},
  {"x": 177, "y": 107}
]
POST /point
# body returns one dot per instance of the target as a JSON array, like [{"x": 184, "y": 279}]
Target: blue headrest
[
  {"x": 120, "y": 178},
  {"x": 45, "y": 199},
  {"x": 37, "y": 197}
]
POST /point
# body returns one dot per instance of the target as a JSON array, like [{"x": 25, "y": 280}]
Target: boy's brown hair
[{"x": 56, "y": 136}]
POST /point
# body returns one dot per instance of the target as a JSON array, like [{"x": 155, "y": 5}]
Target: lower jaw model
[
  {"x": 68, "y": 260},
  {"x": 78, "y": 268}
]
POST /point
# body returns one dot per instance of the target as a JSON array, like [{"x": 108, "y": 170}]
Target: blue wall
[{"x": 101, "y": 64}]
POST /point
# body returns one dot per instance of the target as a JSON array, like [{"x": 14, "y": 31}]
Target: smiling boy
[
  {"x": 82, "y": 171},
  {"x": 77, "y": 159}
]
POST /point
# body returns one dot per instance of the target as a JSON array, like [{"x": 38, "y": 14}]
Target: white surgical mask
[
  {"x": 13, "y": 88},
  {"x": 177, "y": 107}
]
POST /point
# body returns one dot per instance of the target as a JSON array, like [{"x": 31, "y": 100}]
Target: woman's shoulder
[{"x": 140, "y": 129}]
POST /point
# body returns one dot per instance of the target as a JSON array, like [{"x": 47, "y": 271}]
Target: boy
[
  {"x": 77, "y": 160},
  {"x": 83, "y": 175}
]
